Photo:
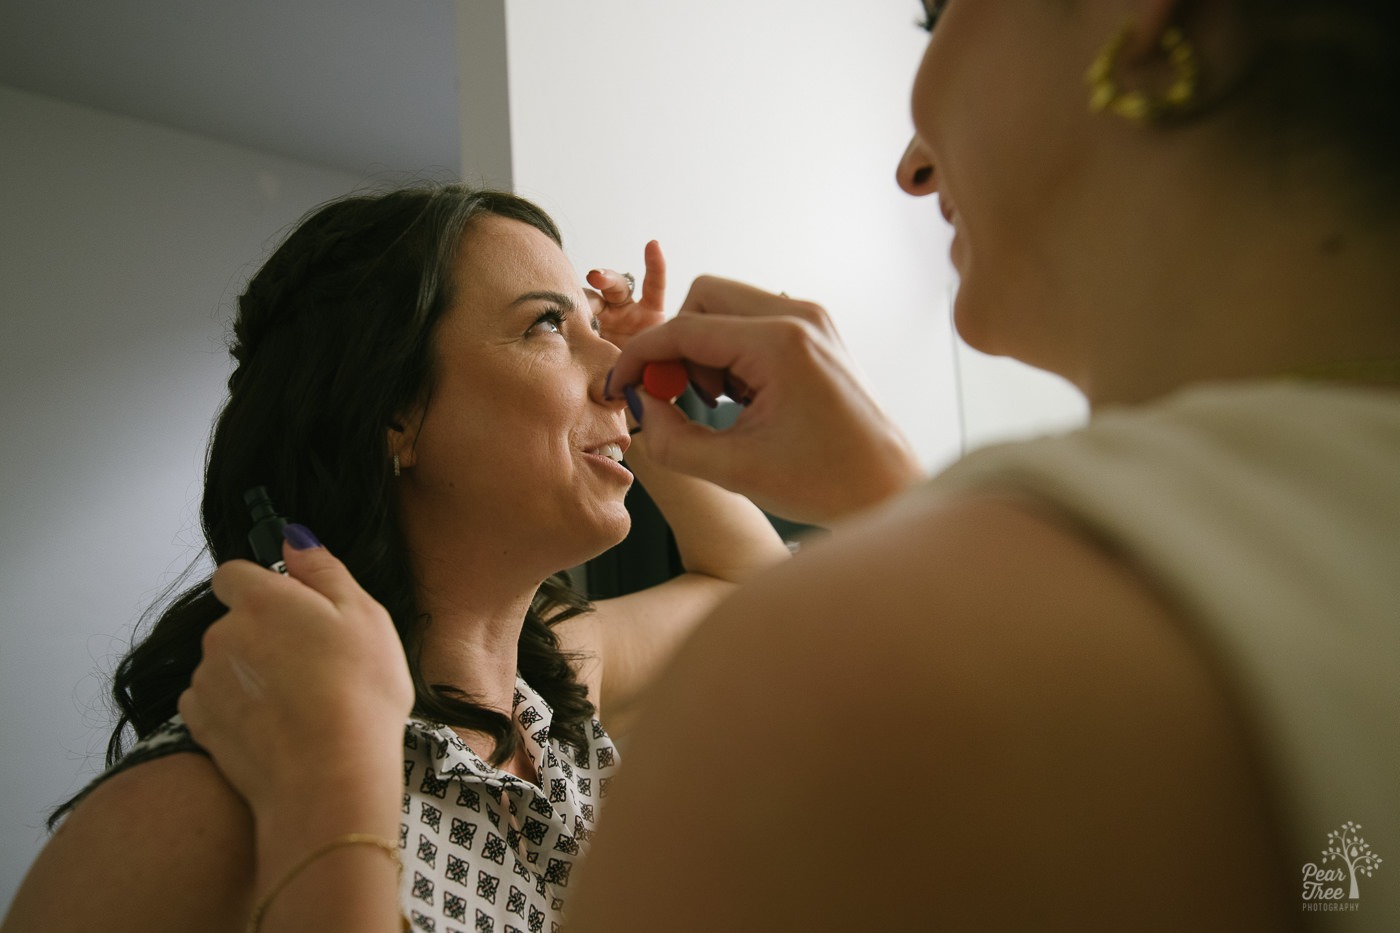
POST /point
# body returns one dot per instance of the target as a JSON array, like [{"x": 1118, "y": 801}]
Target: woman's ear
[
  {"x": 401, "y": 445},
  {"x": 1150, "y": 21},
  {"x": 1214, "y": 33}
]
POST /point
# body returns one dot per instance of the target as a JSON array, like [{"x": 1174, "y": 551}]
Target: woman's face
[
  {"x": 997, "y": 103},
  {"x": 518, "y": 451}
]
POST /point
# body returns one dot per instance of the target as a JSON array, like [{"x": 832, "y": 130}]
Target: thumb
[
  {"x": 675, "y": 442},
  {"x": 310, "y": 563}
]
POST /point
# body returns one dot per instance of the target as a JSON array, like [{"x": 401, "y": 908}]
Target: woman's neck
[
  {"x": 474, "y": 587},
  {"x": 1242, "y": 279},
  {"x": 470, "y": 631}
]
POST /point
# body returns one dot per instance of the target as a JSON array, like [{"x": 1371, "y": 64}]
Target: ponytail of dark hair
[{"x": 333, "y": 343}]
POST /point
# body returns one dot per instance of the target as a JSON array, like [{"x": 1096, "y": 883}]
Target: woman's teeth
[{"x": 611, "y": 451}]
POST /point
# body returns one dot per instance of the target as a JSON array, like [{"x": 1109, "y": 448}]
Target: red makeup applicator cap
[{"x": 665, "y": 379}]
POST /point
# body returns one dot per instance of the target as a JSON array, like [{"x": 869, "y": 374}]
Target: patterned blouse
[{"x": 484, "y": 851}]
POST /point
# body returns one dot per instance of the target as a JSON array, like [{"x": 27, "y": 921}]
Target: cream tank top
[{"x": 1270, "y": 513}]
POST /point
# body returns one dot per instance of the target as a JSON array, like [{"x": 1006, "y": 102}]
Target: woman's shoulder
[
  {"x": 955, "y": 605},
  {"x": 990, "y": 681},
  {"x": 174, "y": 791},
  {"x": 163, "y": 845},
  {"x": 938, "y": 570}
]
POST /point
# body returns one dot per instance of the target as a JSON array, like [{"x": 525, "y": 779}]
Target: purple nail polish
[
  {"x": 300, "y": 537},
  {"x": 634, "y": 404}
]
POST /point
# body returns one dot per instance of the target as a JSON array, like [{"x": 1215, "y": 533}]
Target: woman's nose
[
  {"x": 600, "y": 366},
  {"x": 915, "y": 172}
]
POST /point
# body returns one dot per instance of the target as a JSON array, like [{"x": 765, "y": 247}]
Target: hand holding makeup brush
[{"x": 811, "y": 443}]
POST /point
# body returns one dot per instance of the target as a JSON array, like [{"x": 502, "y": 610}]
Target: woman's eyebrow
[{"x": 557, "y": 297}]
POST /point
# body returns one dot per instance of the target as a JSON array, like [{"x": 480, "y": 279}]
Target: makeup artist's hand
[
  {"x": 620, "y": 314},
  {"x": 811, "y": 443},
  {"x": 303, "y": 685}
]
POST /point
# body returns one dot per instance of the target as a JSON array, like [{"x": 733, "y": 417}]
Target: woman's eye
[
  {"x": 932, "y": 10},
  {"x": 551, "y": 322}
]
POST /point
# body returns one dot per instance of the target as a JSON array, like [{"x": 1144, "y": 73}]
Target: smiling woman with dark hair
[{"x": 420, "y": 378}]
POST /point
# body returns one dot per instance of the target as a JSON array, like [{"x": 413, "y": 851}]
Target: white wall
[
  {"x": 122, "y": 247},
  {"x": 1003, "y": 400},
  {"x": 756, "y": 141}
]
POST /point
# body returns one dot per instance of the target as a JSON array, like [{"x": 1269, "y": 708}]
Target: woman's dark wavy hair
[
  {"x": 1326, "y": 75},
  {"x": 334, "y": 344}
]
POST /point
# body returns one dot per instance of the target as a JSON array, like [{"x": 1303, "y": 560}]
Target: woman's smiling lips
[
  {"x": 608, "y": 455},
  {"x": 613, "y": 450}
]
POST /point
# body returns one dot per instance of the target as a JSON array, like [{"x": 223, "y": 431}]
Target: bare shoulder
[
  {"x": 165, "y": 845},
  {"x": 974, "y": 693}
]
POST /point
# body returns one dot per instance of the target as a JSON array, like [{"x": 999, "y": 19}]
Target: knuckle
[
  {"x": 702, "y": 287},
  {"x": 791, "y": 333},
  {"x": 256, "y": 600},
  {"x": 212, "y": 638},
  {"x": 188, "y": 708},
  {"x": 374, "y": 613},
  {"x": 811, "y": 312}
]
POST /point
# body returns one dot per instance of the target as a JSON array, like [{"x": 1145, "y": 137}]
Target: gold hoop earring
[
  {"x": 1137, "y": 106},
  {"x": 396, "y": 464}
]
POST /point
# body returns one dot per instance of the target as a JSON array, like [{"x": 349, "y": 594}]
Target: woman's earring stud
[{"x": 396, "y": 464}]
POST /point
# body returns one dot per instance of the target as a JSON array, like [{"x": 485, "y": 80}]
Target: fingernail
[
  {"x": 634, "y": 404},
  {"x": 592, "y": 272},
  {"x": 300, "y": 537},
  {"x": 607, "y": 386},
  {"x": 709, "y": 400}
]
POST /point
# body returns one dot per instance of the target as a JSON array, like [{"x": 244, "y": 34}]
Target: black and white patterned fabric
[{"x": 484, "y": 851}]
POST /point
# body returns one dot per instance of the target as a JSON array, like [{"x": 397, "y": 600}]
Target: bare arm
[
  {"x": 303, "y": 754},
  {"x": 315, "y": 749},
  {"x": 966, "y": 718},
  {"x": 723, "y": 539},
  {"x": 165, "y": 846},
  {"x": 349, "y": 889}
]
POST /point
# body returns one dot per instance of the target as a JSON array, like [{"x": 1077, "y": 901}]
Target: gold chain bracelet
[{"x": 351, "y": 839}]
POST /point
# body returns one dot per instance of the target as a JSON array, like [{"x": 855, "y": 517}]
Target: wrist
[
  {"x": 335, "y": 877},
  {"x": 323, "y": 808},
  {"x": 904, "y": 472},
  {"x": 881, "y": 480}
]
